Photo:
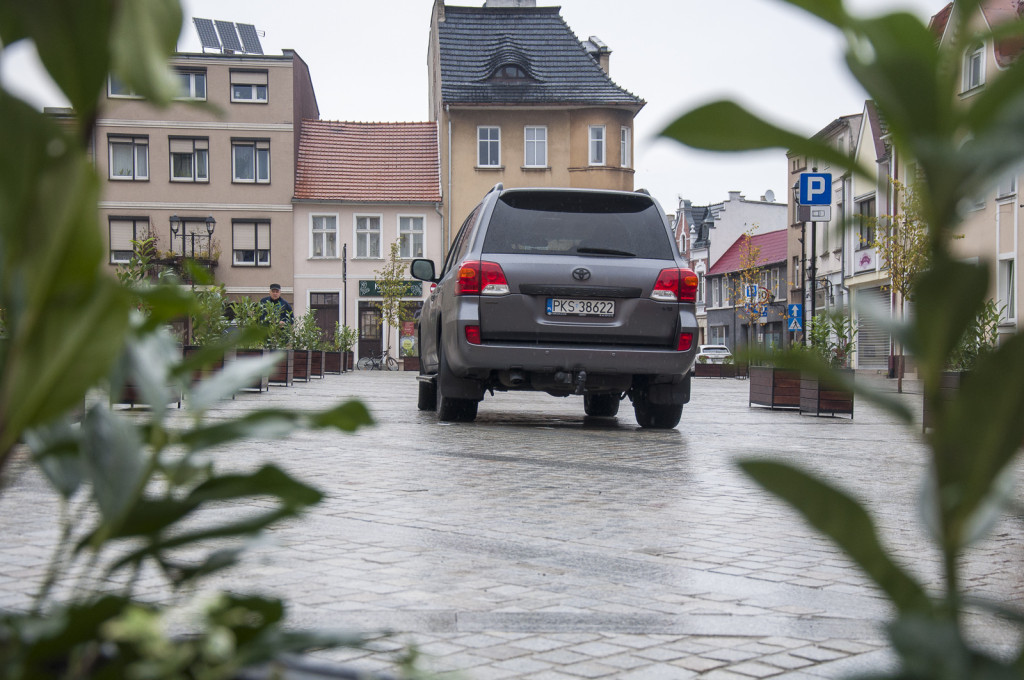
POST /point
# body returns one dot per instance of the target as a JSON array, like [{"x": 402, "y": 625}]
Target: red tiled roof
[
  {"x": 772, "y": 251},
  {"x": 368, "y": 162}
]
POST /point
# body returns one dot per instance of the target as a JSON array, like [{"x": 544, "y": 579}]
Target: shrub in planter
[
  {"x": 832, "y": 341},
  {"x": 306, "y": 338}
]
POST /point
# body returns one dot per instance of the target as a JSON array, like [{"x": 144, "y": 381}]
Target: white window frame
[
  {"x": 626, "y": 146},
  {"x": 199, "y": 154},
  {"x": 190, "y": 80},
  {"x": 320, "y": 235},
  {"x": 1007, "y": 185},
  {"x": 260, "y": 165},
  {"x": 1007, "y": 288},
  {"x": 260, "y": 255},
  {"x": 412, "y": 236},
  {"x": 493, "y": 146},
  {"x": 139, "y": 145},
  {"x": 249, "y": 87},
  {"x": 535, "y": 139},
  {"x": 974, "y": 57},
  {"x": 118, "y": 90},
  {"x": 365, "y": 227},
  {"x": 139, "y": 227},
  {"x": 597, "y": 145}
]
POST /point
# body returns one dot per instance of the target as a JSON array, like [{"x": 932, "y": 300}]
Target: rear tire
[
  {"x": 451, "y": 409},
  {"x": 601, "y": 405},
  {"x": 364, "y": 363},
  {"x": 657, "y": 416},
  {"x": 427, "y": 400}
]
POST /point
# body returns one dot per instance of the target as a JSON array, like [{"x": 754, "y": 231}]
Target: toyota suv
[{"x": 563, "y": 291}]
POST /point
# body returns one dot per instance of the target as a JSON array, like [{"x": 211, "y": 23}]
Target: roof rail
[
  {"x": 498, "y": 187},
  {"x": 645, "y": 192}
]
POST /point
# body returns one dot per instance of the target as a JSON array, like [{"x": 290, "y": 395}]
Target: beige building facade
[
  {"x": 221, "y": 157},
  {"x": 520, "y": 101}
]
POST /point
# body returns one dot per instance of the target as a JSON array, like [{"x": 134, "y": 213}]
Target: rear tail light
[
  {"x": 675, "y": 285},
  {"x": 685, "y": 342},
  {"x": 481, "y": 278}
]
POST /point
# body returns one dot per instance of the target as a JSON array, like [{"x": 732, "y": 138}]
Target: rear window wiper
[{"x": 605, "y": 251}]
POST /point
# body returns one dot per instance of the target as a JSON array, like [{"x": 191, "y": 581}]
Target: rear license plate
[{"x": 571, "y": 307}]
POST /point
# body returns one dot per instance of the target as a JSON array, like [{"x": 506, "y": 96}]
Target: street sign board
[
  {"x": 795, "y": 317},
  {"x": 815, "y": 188},
  {"x": 814, "y": 213},
  {"x": 750, "y": 291}
]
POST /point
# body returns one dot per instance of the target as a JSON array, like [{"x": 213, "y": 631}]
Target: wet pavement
[{"x": 537, "y": 543}]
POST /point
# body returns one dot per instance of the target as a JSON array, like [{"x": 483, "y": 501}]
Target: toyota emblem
[{"x": 581, "y": 274}]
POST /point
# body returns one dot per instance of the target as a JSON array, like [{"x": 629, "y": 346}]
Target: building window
[
  {"x": 716, "y": 293},
  {"x": 129, "y": 158},
  {"x": 509, "y": 73},
  {"x": 865, "y": 224},
  {"x": 249, "y": 87},
  {"x": 192, "y": 84},
  {"x": 488, "y": 147},
  {"x": 192, "y": 238},
  {"x": 626, "y": 145},
  {"x": 701, "y": 289},
  {"x": 1007, "y": 290},
  {"x": 190, "y": 159},
  {"x": 250, "y": 161},
  {"x": 597, "y": 144},
  {"x": 1007, "y": 186},
  {"x": 719, "y": 335},
  {"x": 535, "y": 151},
  {"x": 324, "y": 236},
  {"x": 368, "y": 236},
  {"x": 410, "y": 237},
  {"x": 117, "y": 89},
  {"x": 974, "y": 68},
  {"x": 123, "y": 232},
  {"x": 250, "y": 244}
]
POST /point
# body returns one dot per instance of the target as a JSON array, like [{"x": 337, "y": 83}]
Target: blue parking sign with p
[{"x": 815, "y": 188}]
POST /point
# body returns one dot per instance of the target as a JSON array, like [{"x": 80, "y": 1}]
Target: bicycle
[{"x": 378, "y": 362}]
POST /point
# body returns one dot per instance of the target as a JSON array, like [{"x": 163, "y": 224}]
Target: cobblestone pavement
[{"x": 536, "y": 543}]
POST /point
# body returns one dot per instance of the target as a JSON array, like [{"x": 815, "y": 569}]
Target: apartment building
[
  {"x": 211, "y": 176},
  {"x": 359, "y": 188}
]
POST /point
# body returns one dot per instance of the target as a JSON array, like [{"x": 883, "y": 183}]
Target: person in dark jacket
[{"x": 284, "y": 309}]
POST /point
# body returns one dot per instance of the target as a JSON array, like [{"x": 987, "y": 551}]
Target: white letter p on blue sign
[{"x": 815, "y": 188}]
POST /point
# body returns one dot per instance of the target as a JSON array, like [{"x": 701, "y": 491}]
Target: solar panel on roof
[
  {"x": 228, "y": 36},
  {"x": 250, "y": 40},
  {"x": 207, "y": 36}
]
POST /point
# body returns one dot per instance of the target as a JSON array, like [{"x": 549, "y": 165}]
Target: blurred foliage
[
  {"x": 139, "y": 493},
  {"x": 961, "y": 147}
]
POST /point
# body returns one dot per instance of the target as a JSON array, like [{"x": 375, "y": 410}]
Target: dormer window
[
  {"x": 974, "y": 68},
  {"x": 509, "y": 73}
]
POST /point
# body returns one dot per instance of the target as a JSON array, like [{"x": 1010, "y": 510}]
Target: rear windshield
[{"x": 578, "y": 223}]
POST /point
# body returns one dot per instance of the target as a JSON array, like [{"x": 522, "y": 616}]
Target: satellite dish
[{"x": 769, "y": 196}]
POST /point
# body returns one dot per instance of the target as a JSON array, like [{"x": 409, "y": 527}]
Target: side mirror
[{"x": 423, "y": 270}]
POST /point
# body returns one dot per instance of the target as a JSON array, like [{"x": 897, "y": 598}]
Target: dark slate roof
[
  {"x": 474, "y": 41},
  {"x": 369, "y": 162}
]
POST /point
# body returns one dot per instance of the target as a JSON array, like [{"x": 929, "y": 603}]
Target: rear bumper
[{"x": 477, "y": 361}]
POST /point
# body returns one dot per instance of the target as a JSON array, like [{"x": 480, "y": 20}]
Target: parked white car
[{"x": 712, "y": 354}]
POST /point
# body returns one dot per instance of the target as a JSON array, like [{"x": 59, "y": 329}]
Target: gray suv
[{"x": 563, "y": 291}]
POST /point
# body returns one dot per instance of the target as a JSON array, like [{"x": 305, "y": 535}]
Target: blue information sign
[
  {"x": 815, "y": 188},
  {"x": 795, "y": 317}
]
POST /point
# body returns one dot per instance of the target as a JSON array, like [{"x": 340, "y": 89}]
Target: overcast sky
[{"x": 368, "y": 63}]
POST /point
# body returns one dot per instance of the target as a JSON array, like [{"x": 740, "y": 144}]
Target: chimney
[{"x": 599, "y": 51}]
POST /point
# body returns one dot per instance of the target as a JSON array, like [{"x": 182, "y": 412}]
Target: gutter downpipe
[{"x": 446, "y": 227}]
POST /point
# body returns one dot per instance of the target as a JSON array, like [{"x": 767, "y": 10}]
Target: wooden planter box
[
  {"x": 132, "y": 395},
  {"x": 949, "y": 384},
  {"x": 774, "y": 387},
  {"x": 710, "y": 370},
  {"x": 284, "y": 370},
  {"x": 349, "y": 360},
  {"x": 261, "y": 384},
  {"x": 410, "y": 363},
  {"x": 317, "y": 363},
  {"x": 206, "y": 371},
  {"x": 301, "y": 364},
  {"x": 332, "y": 362},
  {"x": 817, "y": 398}
]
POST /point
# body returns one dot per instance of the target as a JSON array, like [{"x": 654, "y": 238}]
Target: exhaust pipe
[{"x": 516, "y": 378}]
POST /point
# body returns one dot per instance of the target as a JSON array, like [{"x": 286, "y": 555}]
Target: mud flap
[{"x": 670, "y": 393}]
